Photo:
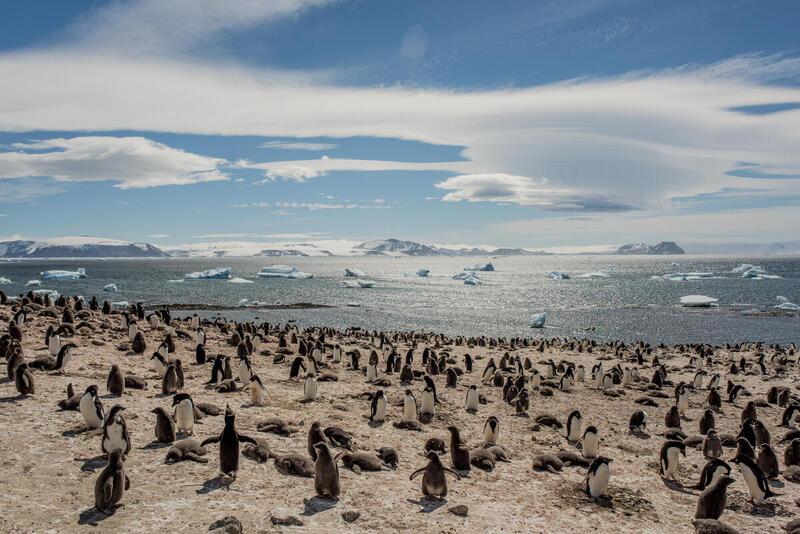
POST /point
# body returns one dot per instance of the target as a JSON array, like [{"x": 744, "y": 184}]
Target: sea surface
[{"x": 627, "y": 305}]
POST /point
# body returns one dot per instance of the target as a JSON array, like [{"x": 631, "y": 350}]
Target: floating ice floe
[
  {"x": 683, "y": 277},
  {"x": 4, "y": 280},
  {"x": 175, "y": 281},
  {"x": 473, "y": 280},
  {"x": 422, "y": 273},
  {"x": 538, "y": 319},
  {"x": 243, "y": 303},
  {"x": 754, "y": 272},
  {"x": 64, "y": 275},
  {"x": 358, "y": 283},
  {"x": 240, "y": 281},
  {"x": 354, "y": 272},
  {"x": 52, "y": 292},
  {"x": 485, "y": 267},
  {"x": 594, "y": 274},
  {"x": 283, "y": 271},
  {"x": 785, "y": 304},
  {"x": 33, "y": 283},
  {"x": 220, "y": 273},
  {"x": 555, "y": 275},
  {"x": 110, "y": 287},
  {"x": 698, "y": 301},
  {"x": 120, "y": 304}
]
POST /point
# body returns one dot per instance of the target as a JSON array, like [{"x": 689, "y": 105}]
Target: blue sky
[{"x": 561, "y": 125}]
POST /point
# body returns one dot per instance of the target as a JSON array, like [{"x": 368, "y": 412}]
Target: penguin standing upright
[
  {"x": 64, "y": 356},
  {"x": 91, "y": 408},
  {"x": 184, "y": 412},
  {"x": 712, "y": 471},
  {"x": 54, "y": 345},
  {"x": 491, "y": 430},
  {"x": 434, "y": 482},
  {"x": 111, "y": 484},
  {"x": 245, "y": 370},
  {"x": 256, "y": 391},
  {"x": 428, "y": 406},
  {"x": 310, "y": 387},
  {"x": 378, "y": 407},
  {"x": 133, "y": 329},
  {"x": 711, "y": 502},
  {"x": 409, "y": 406},
  {"x": 23, "y": 380},
  {"x": 159, "y": 363},
  {"x": 597, "y": 477},
  {"x": 372, "y": 372},
  {"x": 229, "y": 445},
  {"x": 169, "y": 382},
  {"x": 668, "y": 457},
  {"x": 682, "y": 400},
  {"x": 754, "y": 478},
  {"x": 590, "y": 444},
  {"x": 574, "y": 426},
  {"x": 115, "y": 433},
  {"x": 115, "y": 383},
  {"x": 473, "y": 399},
  {"x": 165, "y": 426}
]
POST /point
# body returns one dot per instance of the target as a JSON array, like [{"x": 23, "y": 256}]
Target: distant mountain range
[
  {"x": 396, "y": 247},
  {"x": 79, "y": 247},
  {"x": 665, "y": 247}
]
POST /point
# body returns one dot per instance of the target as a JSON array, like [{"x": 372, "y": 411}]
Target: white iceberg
[
  {"x": 4, "y": 280},
  {"x": 422, "y": 273},
  {"x": 358, "y": 283},
  {"x": 485, "y": 267},
  {"x": 33, "y": 283},
  {"x": 52, "y": 292},
  {"x": 283, "y": 271},
  {"x": 64, "y": 275},
  {"x": 461, "y": 276},
  {"x": 175, "y": 281},
  {"x": 243, "y": 303},
  {"x": 698, "y": 301},
  {"x": 538, "y": 319},
  {"x": 110, "y": 287},
  {"x": 594, "y": 274},
  {"x": 754, "y": 272},
  {"x": 683, "y": 277},
  {"x": 354, "y": 272},
  {"x": 240, "y": 281},
  {"x": 785, "y": 304},
  {"x": 120, "y": 304},
  {"x": 473, "y": 280},
  {"x": 555, "y": 275},
  {"x": 278, "y": 269},
  {"x": 220, "y": 273}
]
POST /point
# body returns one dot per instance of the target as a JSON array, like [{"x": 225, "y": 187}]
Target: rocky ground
[{"x": 49, "y": 463}]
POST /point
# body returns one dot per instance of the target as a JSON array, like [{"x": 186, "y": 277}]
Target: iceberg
[
  {"x": 422, "y": 273},
  {"x": 64, "y": 275},
  {"x": 754, "y": 272},
  {"x": 555, "y": 275},
  {"x": 33, "y": 283},
  {"x": 52, "y": 292},
  {"x": 120, "y": 304},
  {"x": 461, "y": 276},
  {"x": 240, "y": 281},
  {"x": 611, "y": 268},
  {"x": 473, "y": 280},
  {"x": 278, "y": 269},
  {"x": 785, "y": 304},
  {"x": 110, "y": 287},
  {"x": 283, "y": 271},
  {"x": 538, "y": 319},
  {"x": 698, "y": 301},
  {"x": 683, "y": 277},
  {"x": 243, "y": 303},
  {"x": 175, "y": 281},
  {"x": 485, "y": 267},
  {"x": 594, "y": 274},
  {"x": 358, "y": 283},
  {"x": 220, "y": 273},
  {"x": 354, "y": 272},
  {"x": 4, "y": 280}
]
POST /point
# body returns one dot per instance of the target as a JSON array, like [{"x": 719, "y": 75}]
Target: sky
[{"x": 556, "y": 124}]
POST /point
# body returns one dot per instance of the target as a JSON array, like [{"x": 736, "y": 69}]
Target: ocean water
[{"x": 626, "y": 305}]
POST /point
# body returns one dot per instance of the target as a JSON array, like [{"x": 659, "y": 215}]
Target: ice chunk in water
[
  {"x": 538, "y": 319},
  {"x": 220, "y": 273},
  {"x": 120, "y": 304},
  {"x": 485, "y": 267},
  {"x": 473, "y": 280},
  {"x": 240, "y": 281},
  {"x": 33, "y": 283},
  {"x": 110, "y": 287},
  {"x": 243, "y": 303},
  {"x": 354, "y": 272},
  {"x": 64, "y": 275},
  {"x": 594, "y": 274},
  {"x": 555, "y": 275},
  {"x": 278, "y": 269},
  {"x": 698, "y": 301},
  {"x": 421, "y": 273},
  {"x": 4, "y": 280}
]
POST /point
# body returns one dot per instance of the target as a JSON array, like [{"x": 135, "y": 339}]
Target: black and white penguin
[
  {"x": 91, "y": 408},
  {"x": 294, "y": 370},
  {"x": 159, "y": 363},
  {"x": 714, "y": 382},
  {"x": 229, "y": 445},
  {"x": 409, "y": 406},
  {"x": 19, "y": 319},
  {"x": 163, "y": 349},
  {"x": 115, "y": 433},
  {"x": 790, "y": 415},
  {"x": 638, "y": 422},
  {"x": 310, "y": 387},
  {"x": 200, "y": 338},
  {"x": 590, "y": 444},
  {"x": 64, "y": 356},
  {"x": 712, "y": 471},
  {"x": 596, "y": 481},
  {"x": 54, "y": 345},
  {"x": 245, "y": 370},
  {"x": 378, "y": 407},
  {"x": 372, "y": 372},
  {"x": 133, "y": 329},
  {"x": 184, "y": 413},
  {"x": 754, "y": 478},
  {"x": 428, "y": 403},
  {"x": 733, "y": 394},
  {"x": 491, "y": 430},
  {"x": 681, "y": 399},
  {"x": 574, "y": 426},
  {"x": 473, "y": 399},
  {"x": 256, "y": 391},
  {"x": 194, "y": 322},
  {"x": 154, "y": 320},
  {"x": 669, "y": 457}
]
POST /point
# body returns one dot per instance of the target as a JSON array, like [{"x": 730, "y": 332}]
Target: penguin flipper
[
  {"x": 458, "y": 477},
  {"x": 247, "y": 439},
  {"x": 127, "y": 483},
  {"x": 214, "y": 439},
  {"x": 108, "y": 488},
  {"x": 415, "y": 473}
]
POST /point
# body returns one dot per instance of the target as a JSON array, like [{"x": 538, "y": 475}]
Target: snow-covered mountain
[
  {"x": 395, "y": 247},
  {"x": 78, "y": 247},
  {"x": 665, "y": 247}
]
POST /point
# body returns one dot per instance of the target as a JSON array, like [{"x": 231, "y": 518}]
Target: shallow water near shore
[{"x": 626, "y": 305}]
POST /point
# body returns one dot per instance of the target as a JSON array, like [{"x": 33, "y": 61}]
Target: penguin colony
[{"x": 722, "y": 422}]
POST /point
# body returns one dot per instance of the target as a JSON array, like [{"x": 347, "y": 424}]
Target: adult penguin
[
  {"x": 184, "y": 412},
  {"x": 459, "y": 453},
  {"x": 91, "y": 408},
  {"x": 596, "y": 481},
  {"x": 712, "y": 471},
  {"x": 115, "y": 433},
  {"x": 229, "y": 444},
  {"x": 430, "y": 383},
  {"x": 491, "y": 430},
  {"x": 378, "y": 407},
  {"x": 574, "y": 426},
  {"x": 754, "y": 479},
  {"x": 668, "y": 457}
]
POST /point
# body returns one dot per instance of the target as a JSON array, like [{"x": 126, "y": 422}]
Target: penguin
[
  {"x": 229, "y": 445},
  {"x": 565, "y": 384},
  {"x": 459, "y": 453},
  {"x": 159, "y": 363},
  {"x": 491, "y": 430},
  {"x": 154, "y": 320},
  {"x": 163, "y": 349},
  {"x": 706, "y": 422},
  {"x": 427, "y": 409},
  {"x": 218, "y": 369},
  {"x": 179, "y": 372},
  {"x": 23, "y": 380},
  {"x": 19, "y": 319},
  {"x": 294, "y": 371},
  {"x": 574, "y": 426},
  {"x": 627, "y": 378},
  {"x": 712, "y": 445},
  {"x": 749, "y": 412},
  {"x": 580, "y": 373},
  {"x": 744, "y": 448},
  {"x": 111, "y": 484},
  {"x": 326, "y": 473},
  {"x": 200, "y": 338},
  {"x": 91, "y": 408},
  {"x": 200, "y": 354},
  {"x": 194, "y": 322},
  {"x": 754, "y": 478},
  {"x": 14, "y": 360},
  {"x": 451, "y": 377},
  {"x": 115, "y": 383},
  {"x": 488, "y": 372},
  {"x": 473, "y": 399},
  {"x": 733, "y": 394},
  {"x": 64, "y": 356},
  {"x": 714, "y": 382},
  {"x": 184, "y": 413},
  {"x": 54, "y": 345},
  {"x": 138, "y": 345},
  {"x": 673, "y": 418},
  {"x": 596, "y": 481},
  {"x": 310, "y": 387},
  {"x": 378, "y": 407},
  {"x": 169, "y": 382},
  {"x": 790, "y": 415},
  {"x": 668, "y": 457},
  {"x": 536, "y": 379},
  {"x": 713, "y": 470},
  {"x": 133, "y": 329},
  {"x": 747, "y": 432},
  {"x": 409, "y": 406},
  {"x": 761, "y": 433},
  {"x": 591, "y": 443},
  {"x": 434, "y": 483},
  {"x": 697, "y": 383},
  {"x": 638, "y": 422},
  {"x": 714, "y": 400},
  {"x": 354, "y": 355},
  {"x": 315, "y": 435},
  {"x": 372, "y": 372},
  {"x": 245, "y": 370},
  {"x": 767, "y": 461},
  {"x": 791, "y": 455},
  {"x": 115, "y": 433},
  {"x": 682, "y": 400},
  {"x": 165, "y": 426},
  {"x": 711, "y": 502},
  {"x": 256, "y": 391}
]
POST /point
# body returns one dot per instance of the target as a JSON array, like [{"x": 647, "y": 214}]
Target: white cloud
[
  {"x": 301, "y": 170},
  {"x": 158, "y": 236},
  {"x": 298, "y": 173},
  {"x": 134, "y": 162},
  {"x": 311, "y": 206},
  {"x": 298, "y": 145}
]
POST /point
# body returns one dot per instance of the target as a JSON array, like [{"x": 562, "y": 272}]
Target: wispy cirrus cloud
[{"x": 298, "y": 145}]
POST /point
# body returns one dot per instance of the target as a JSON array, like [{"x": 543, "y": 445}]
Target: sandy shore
[{"x": 48, "y": 464}]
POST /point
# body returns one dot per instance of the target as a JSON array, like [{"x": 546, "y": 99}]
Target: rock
[
  {"x": 792, "y": 473},
  {"x": 99, "y": 343},
  {"x": 712, "y": 526},
  {"x": 226, "y": 525},
  {"x": 124, "y": 346},
  {"x": 459, "y": 509},
  {"x": 284, "y": 517},
  {"x": 350, "y": 515}
]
